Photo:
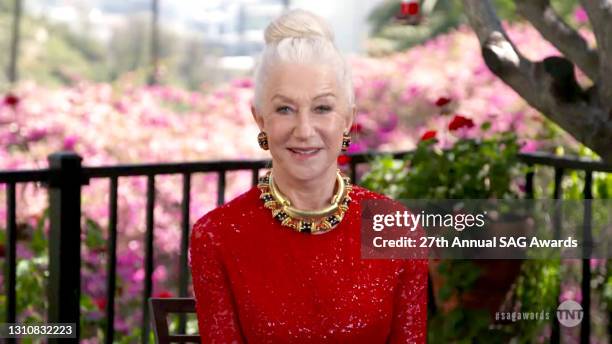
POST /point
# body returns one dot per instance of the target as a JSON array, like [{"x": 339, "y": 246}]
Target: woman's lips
[{"x": 303, "y": 153}]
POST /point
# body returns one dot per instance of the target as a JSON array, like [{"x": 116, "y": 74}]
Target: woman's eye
[
  {"x": 323, "y": 108},
  {"x": 283, "y": 109}
]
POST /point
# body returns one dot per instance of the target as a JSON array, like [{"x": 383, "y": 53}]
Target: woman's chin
[{"x": 306, "y": 172}]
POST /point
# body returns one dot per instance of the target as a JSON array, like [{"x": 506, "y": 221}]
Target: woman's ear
[
  {"x": 351, "y": 118},
  {"x": 257, "y": 117}
]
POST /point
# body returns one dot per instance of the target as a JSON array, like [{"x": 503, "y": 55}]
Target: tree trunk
[{"x": 550, "y": 85}]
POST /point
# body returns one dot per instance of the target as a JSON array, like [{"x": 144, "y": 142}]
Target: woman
[{"x": 281, "y": 263}]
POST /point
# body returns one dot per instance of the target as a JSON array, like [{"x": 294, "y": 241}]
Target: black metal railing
[
  {"x": 65, "y": 177},
  {"x": 561, "y": 165}
]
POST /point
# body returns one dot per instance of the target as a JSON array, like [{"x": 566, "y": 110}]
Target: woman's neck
[{"x": 307, "y": 195}]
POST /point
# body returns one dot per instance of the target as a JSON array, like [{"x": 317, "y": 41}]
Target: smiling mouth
[{"x": 304, "y": 151}]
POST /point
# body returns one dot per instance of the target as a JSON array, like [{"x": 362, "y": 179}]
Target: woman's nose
[{"x": 304, "y": 127}]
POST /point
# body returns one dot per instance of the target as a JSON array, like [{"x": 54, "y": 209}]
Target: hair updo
[{"x": 300, "y": 36}]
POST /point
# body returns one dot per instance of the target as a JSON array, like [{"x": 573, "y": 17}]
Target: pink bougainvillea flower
[
  {"x": 70, "y": 142},
  {"x": 529, "y": 146},
  {"x": 356, "y": 147},
  {"x": 428, "y": 135},
  {"x": 460, "y": 122},
  {"x": 580, "y": 15},
  {"x": 36, "y": 134},
  {"x": 571, "y": 294},
  {"x": 243, "y": 83}
]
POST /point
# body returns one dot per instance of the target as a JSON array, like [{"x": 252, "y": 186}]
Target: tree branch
[
  {"x": 549, "y": 86},
  {"x": 552, "y": 27},
  {"x": 600, "y": 15}
]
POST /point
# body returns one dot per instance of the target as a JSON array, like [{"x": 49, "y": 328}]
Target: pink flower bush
[{"x": 446, "y": 75}]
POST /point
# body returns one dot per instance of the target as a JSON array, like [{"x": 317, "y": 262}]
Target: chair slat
[{"x": 160, "y": 308}]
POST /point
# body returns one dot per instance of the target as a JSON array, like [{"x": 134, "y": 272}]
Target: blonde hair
[{"x": 300, "y": 36}]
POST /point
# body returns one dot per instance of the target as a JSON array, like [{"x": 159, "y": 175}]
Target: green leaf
[{"x": 94, "y": 236}]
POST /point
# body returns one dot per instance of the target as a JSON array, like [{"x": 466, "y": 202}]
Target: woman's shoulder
[
  {"x": 360, "y": 193},
  {"x": 218, "y": 217},
  {"x": 374, "y": 201}
]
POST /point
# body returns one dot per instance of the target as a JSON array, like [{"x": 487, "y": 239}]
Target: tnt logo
[{"x": 570, "y": 313}]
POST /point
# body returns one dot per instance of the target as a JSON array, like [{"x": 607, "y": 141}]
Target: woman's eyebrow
[
  {"x": 328, "y": 94},
  {"x": 282, "y": 97}
]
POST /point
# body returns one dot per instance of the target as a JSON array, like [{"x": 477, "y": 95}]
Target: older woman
[{"x": 281, "y": 263}]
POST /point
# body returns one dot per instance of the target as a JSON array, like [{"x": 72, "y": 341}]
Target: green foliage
[
  {"x": 472, "y": 169},
  {"x": 573, "y": 189},
  {"x": 135, "y": 337},
  {"x": 94, "y": 237},
  {"x": 31, "y": 284},
  {"x": 32, "y": 280},
  {"x": 461, "y": 277},
  {"x": 462, "y": 325},
  {"x": 39, "y": 242},
  {"x": 454, "y": 328},
  {"x": 573, "y": 183},
  {"x": 537, "y": 288},
  {"x": 31, "y": 274},
  {"x": 607, "y": 287},
  {"x": 51, "y": 53},
  {"x": 90, "y": 326},
  {"x": 55, "y": 54},
  {"x": 469, "y": 169},
  {"x": 446, "y": 15}
]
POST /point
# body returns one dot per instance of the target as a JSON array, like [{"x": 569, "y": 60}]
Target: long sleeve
[
  {"x": 410, "y": 309},
  {"x": 215, "y": 307}
]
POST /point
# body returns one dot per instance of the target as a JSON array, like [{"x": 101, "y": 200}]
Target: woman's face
[{"x": 304, "y": 113}]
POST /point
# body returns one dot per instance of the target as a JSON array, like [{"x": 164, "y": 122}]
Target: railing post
[
  {"x": 10, "y": 262},
  {"x": 585, "y": 326},
  {"x": 65, "y": 240}
]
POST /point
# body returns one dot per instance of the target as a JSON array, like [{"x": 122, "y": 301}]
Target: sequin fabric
[{"x": 257, "y": 282}]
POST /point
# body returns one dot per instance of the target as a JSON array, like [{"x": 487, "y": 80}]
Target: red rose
[
  {"x": 430, "y": 134},
  {"x": 442, "y": 101},
  {"x": 344, "y": 159},
  {"x": 100, "y": 303},
  {"x": 11, "y": 100},
  {"x": 164, "y": 294},
  {"x": 356, "y": 128},
  {"x": 413, "y": 8},
  {"x": 459, "y": 122}
]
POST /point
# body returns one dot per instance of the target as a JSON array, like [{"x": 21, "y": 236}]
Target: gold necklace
[{"x": 307, "y": 221}]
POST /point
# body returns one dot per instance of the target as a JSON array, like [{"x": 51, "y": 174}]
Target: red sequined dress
[{"x": 256, "y": 281}]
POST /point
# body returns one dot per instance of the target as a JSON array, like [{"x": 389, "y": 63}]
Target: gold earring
[
  {"x": 346, "y": 141},
  {"x": 262, "y": 139}
]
